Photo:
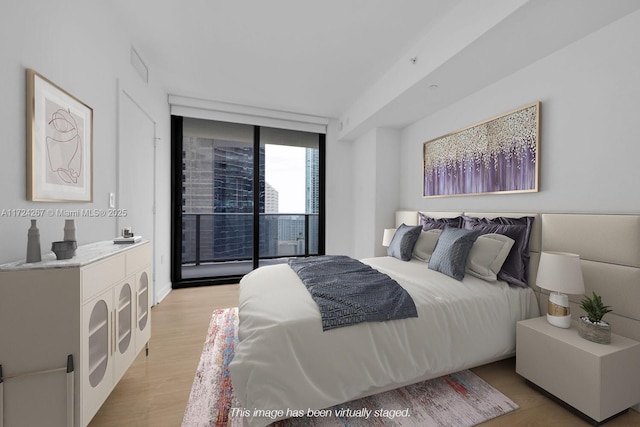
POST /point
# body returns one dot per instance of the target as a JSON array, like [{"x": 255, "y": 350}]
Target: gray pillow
[
  {"x": 487, "y": 255},
  {"x": 403, "y": 241},
  {"x": 515, "y": 269},
  {"x": 429, "y": 223},
  {"x": 452, "y": 250},
  {"x": 426, "y": 244}
]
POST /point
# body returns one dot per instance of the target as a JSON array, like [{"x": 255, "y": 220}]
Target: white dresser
[{"x": 95, "y": 307}]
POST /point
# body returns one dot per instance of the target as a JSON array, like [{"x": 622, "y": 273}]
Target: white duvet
[{"x": 284, "y": 362}]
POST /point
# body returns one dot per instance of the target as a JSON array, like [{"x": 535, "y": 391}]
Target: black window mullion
[
  {"x": 307, "y": 237},
  {"x": 256, "y": 196},
  {"x": 321, "y": 188},
  {"x": 176, "y": 199}
]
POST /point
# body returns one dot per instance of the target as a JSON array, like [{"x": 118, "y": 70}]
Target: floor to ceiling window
[
  {"x": 243, "y": 196},
  {"x": 290, "y": 164}
]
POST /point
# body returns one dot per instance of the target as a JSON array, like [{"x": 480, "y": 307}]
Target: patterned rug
[{"x": 461, "y": 399}]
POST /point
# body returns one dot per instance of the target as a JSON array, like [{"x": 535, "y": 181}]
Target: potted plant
[{"x": 591, "y": 326}]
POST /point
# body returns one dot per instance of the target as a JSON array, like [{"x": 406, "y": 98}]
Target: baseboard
[{"x": 162, "y": 291}]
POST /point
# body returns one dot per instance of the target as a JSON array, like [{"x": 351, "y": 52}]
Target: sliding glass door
[
  {"x": 291, "y": 170},
  {"x": 217, "y": 198},
  {"x": 243, "y": 196}
]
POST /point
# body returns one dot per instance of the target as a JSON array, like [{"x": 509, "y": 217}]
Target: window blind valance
[{"x": 235, "y": 113}]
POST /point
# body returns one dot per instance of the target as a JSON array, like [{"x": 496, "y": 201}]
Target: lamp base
[
  {"x": 559, "y": 321},
  {"x": 558, "y": 310}
]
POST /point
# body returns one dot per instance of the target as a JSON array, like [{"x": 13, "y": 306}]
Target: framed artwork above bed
[{"x": 498, "y": 155}]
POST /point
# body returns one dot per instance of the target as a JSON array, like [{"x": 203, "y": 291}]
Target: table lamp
[
  {"x": 561, "y": 273},
  {"x": 387, "y": 236}
]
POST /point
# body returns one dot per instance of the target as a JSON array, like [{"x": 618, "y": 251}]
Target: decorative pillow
[
  {"x": 429, "y": 223},
  {"x": 515, "y": 269},
  {"x": 487, "y": 255},
  {"x": 426, "y": 244},
  {"x": 452, "y": 249},
  {"x": 403, "y": 241}
]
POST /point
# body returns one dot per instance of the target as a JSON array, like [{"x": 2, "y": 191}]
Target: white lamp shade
[
  {"x": 560, "y": 272},
  {"x": 387, "y": 236}
]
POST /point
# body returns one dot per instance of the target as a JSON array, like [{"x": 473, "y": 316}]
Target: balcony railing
[{"x": 220, "y": 237}]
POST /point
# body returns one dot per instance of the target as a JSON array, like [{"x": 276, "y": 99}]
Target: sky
[{"x": 285, "y": 171}]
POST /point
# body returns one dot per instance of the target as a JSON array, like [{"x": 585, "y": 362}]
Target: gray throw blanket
[{"x": 349, "y": 292}]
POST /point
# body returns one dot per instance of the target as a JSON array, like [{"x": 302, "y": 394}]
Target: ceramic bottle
[
  {"x": 33, "y": 243},
  {"x": 69, "y": 230}
]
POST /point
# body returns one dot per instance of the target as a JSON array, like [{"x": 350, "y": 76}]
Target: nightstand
[{"x": 597, "y": 380}]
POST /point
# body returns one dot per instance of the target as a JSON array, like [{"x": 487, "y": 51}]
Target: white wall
[
  {"x": 364, "y": 198},
  {"x": 81, "y": 47},
  {"x": 375, "y": 184},
  {"x": 387, "y": 182},
  {"x": 590, "y": 138},
  {"x": 338, "y": 193}
]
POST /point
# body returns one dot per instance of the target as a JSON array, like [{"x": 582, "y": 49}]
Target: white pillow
[
  {"x": 487, "y": 255},
  {"x": 425, "y": 244}
]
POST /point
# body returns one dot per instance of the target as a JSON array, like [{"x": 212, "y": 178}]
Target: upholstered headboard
[{"x": 609, "y": 248}]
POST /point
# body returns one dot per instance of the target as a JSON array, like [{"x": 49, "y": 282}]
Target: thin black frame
[{"x": 176, "y": 209}]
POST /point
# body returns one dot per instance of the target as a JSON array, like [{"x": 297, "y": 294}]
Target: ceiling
[
  {"x": 312, "y": 57},
  {"x": 319, "y": 57}
]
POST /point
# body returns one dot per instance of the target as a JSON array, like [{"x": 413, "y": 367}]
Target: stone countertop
[{"x": 85, "y": 254}]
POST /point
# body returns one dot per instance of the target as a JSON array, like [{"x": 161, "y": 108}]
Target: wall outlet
[{"x": 112, "y": 200}]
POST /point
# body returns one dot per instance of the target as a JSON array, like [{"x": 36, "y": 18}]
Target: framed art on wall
[
  {"x": 59, "y": 143},
  {"x": 498, "y": 155}
]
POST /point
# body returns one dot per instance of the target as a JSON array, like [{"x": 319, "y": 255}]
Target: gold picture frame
[
  {"x": 59, "y": 143},
  {"x": 498, "y": 155}
]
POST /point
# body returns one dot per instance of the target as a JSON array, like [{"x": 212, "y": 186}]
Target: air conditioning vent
[{"x": 139, "y": 66}]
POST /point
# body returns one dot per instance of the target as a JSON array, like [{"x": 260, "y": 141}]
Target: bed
[{"x": 285, "y": 361}]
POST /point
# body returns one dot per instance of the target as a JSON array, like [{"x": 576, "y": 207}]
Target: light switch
[{"x": 112, "y": 200}]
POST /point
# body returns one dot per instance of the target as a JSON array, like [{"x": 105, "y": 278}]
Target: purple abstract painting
[{"x": 497, "y": 155}]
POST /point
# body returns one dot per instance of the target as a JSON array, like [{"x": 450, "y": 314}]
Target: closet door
[{"x": 136, "y": 169}]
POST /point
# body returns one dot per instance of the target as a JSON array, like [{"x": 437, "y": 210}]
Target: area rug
[{"x": 460, "y": 399}]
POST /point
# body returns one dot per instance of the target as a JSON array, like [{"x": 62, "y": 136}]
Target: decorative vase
[
  {"x": 69, "y": 230},
  {"x": 65, "y": 249},
  {"x": 33, "y": 243},
  {"x": 597, "y": 332},
  {"x": 70, "y": 234}
]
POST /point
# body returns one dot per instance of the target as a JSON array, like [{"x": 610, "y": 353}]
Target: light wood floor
[{"x": 155, "y": 390}]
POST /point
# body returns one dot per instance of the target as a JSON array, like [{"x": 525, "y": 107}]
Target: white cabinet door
[
  {"x": 124, "y": 328},
  {"x": 143, "y": 312},
  {"x": 97, "y": 353}
]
